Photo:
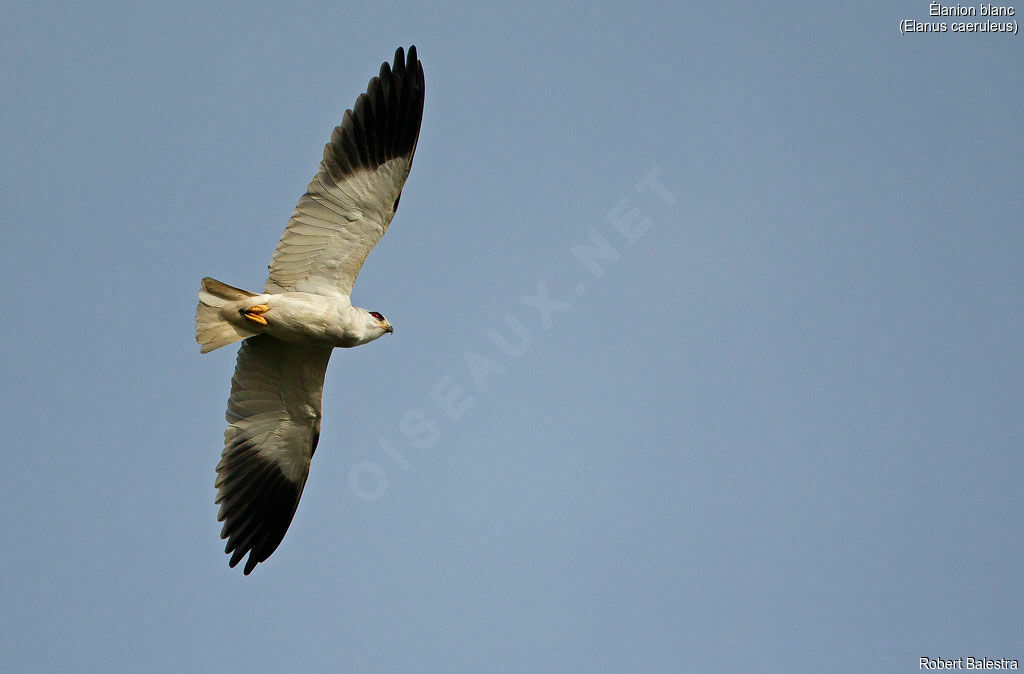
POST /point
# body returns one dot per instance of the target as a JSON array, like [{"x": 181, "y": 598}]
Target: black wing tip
[
  {"x": 256, "y": 513},
  {"x": 415, "y": 66},
  {"x": 385, "y": 121},
  {"x": 411, "y": 62}
]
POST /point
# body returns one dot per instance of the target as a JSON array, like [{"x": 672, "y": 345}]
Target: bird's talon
[{"x": 255, "y": 313}]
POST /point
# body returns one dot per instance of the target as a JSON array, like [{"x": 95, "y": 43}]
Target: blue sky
[{"x": 774, "y": 424}]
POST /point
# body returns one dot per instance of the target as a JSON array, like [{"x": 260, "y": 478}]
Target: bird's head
[{"x": 377, "y": 322}]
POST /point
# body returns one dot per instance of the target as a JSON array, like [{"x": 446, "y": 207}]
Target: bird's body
[
  {"x": 305, "y": 311},
  {"x": 302, "y": 318}
]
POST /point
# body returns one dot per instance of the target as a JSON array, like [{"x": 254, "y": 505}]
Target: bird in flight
[{"x": 305, "y": 311}]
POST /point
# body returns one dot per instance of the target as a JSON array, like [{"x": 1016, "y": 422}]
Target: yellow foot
[{"x": 255, "y": 314}]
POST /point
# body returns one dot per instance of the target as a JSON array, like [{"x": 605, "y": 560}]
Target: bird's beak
[{"x": 388, "y": 328}]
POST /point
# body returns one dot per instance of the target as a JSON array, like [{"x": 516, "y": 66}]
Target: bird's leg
[{"x": 255, "y": 313}]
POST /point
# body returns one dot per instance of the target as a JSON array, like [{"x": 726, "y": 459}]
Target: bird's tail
[{"x": 213, "y": 330}]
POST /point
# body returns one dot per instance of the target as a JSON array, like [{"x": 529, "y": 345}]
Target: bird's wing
[
  {"x": 353, "y": 197},
  {"x": 273, "y": 427}
]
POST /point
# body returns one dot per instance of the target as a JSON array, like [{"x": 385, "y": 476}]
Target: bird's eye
[{"x": 377, "y": 315}]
